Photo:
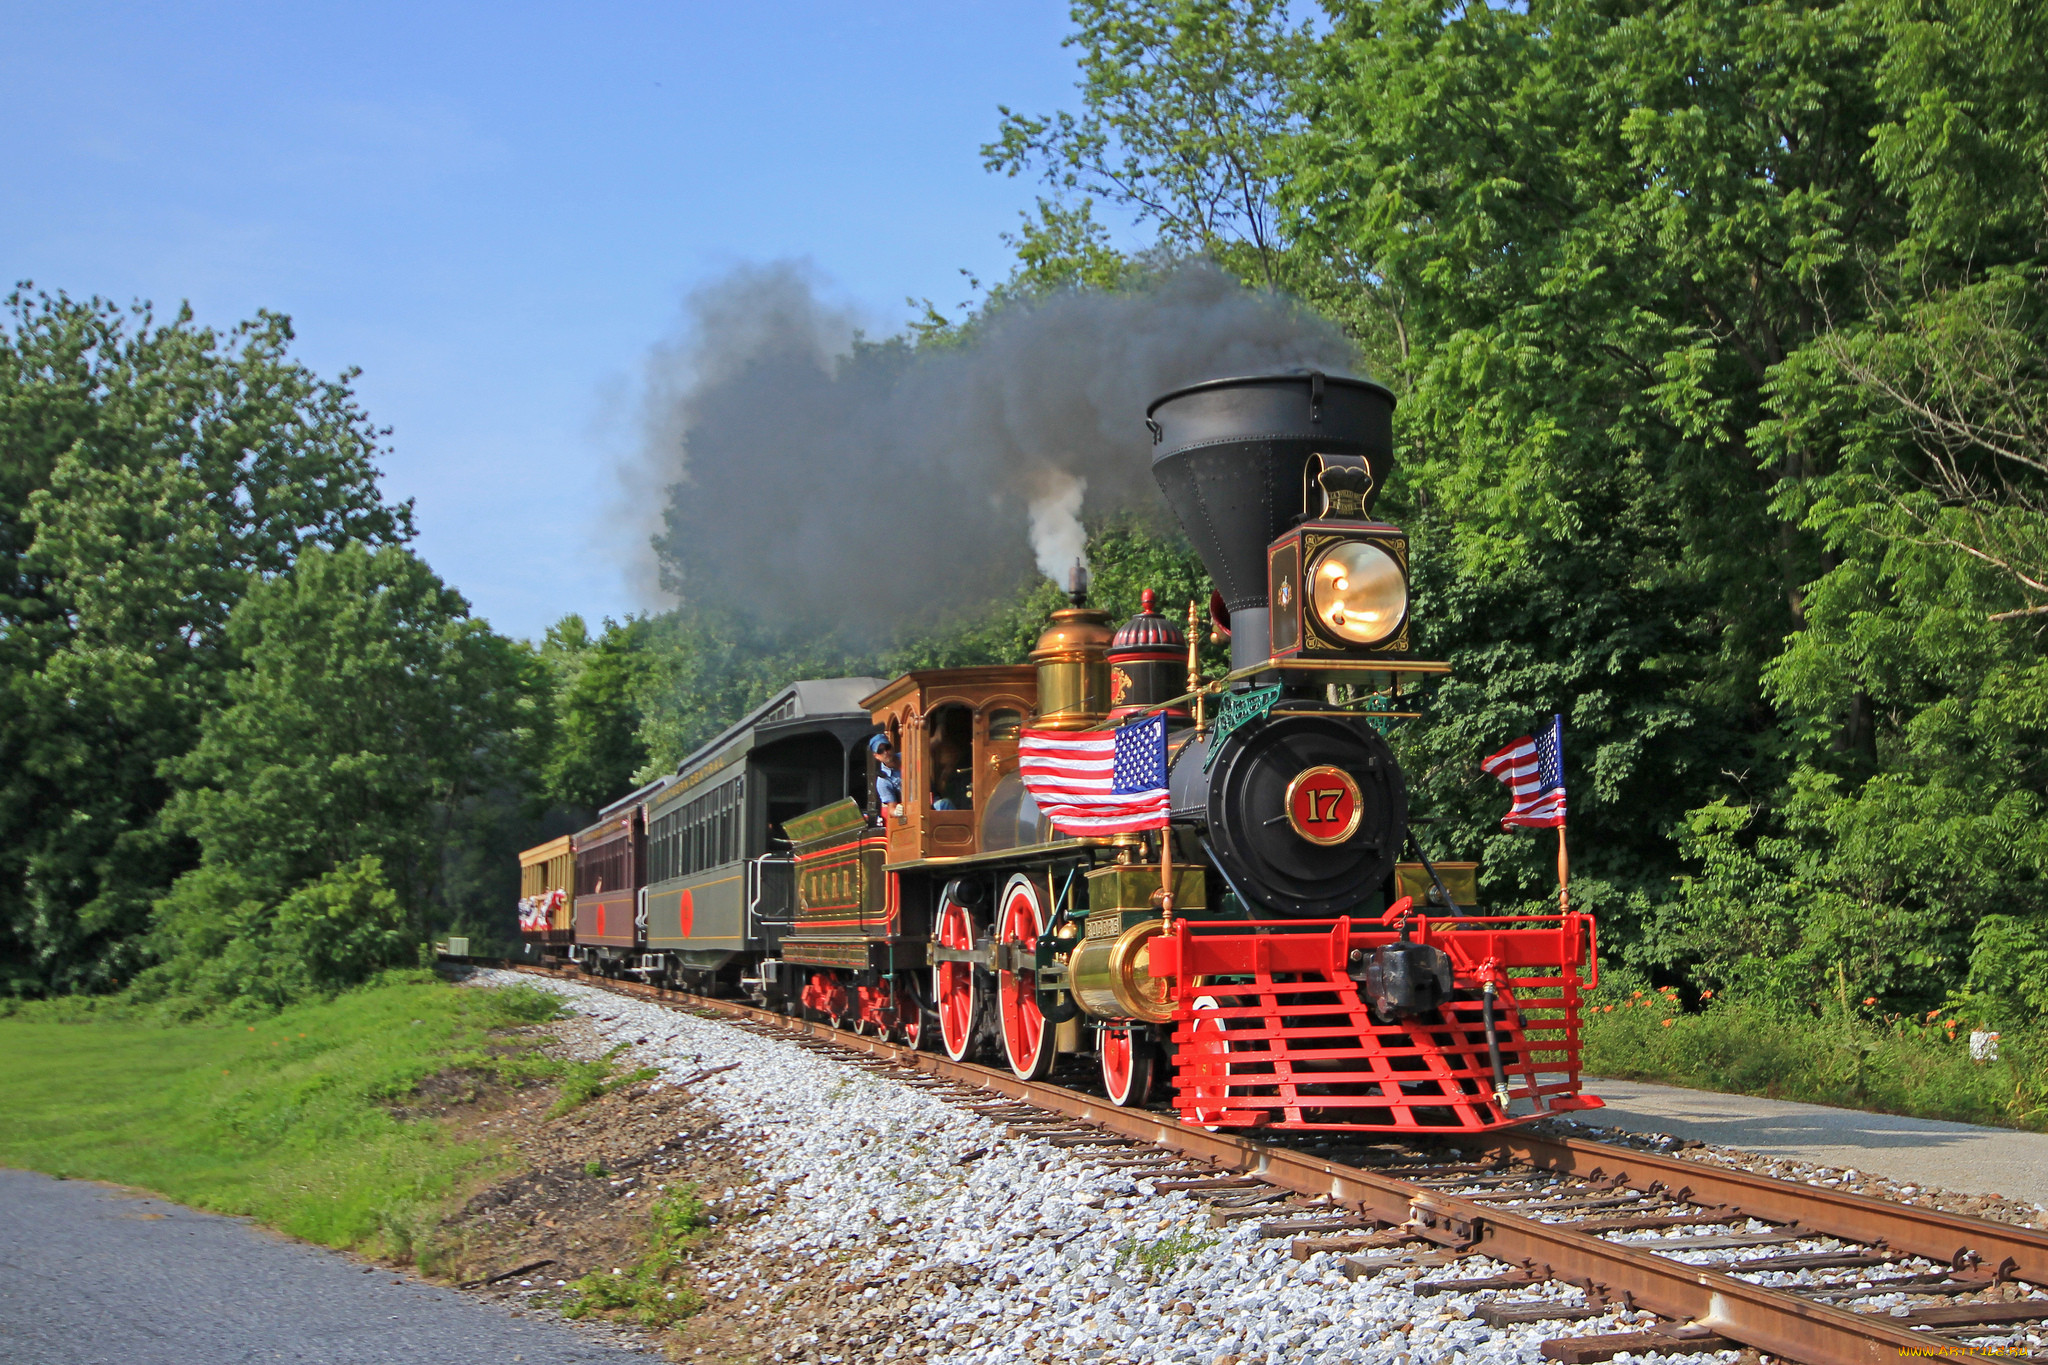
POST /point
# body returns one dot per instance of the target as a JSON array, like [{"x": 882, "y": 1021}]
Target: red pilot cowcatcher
[{"x": 1276, "y": 1028}]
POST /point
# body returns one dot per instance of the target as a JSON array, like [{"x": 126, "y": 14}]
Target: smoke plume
[
  {"x": 821, "y": 481},
  {"x": 1058, "y": 539}
]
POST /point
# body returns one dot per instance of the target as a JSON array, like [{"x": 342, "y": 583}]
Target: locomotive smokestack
[{"x": 1231, "y": 456}]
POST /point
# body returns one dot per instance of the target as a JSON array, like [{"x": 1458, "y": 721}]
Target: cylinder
[{"x": 1112, "y": 977}]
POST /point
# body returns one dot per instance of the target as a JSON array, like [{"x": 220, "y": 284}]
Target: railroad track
[{"x": 1723, "y": 1258}]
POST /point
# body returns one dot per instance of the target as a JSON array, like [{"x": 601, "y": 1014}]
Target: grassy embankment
[
  {"x": 1839, "y": 1056},
  {"x": 286, "y": 1119}
]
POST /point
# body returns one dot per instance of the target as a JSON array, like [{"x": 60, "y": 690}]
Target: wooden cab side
[{"x": 956, "y": 730}]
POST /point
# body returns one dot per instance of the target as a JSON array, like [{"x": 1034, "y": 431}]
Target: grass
[
  {"x": 654, "y": 1293},
  {"x": 286, "y": 1119},
  {"x": 1837, "y": 1056},
  {"x": 583, "y": 1082},
  {"x": 1160, "y": 1257}
]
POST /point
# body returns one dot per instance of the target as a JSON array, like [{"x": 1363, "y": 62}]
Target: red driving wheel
[
  {"x": 1027, "y": 1037},
  {"x": 954, "y": 989},
  {"x": 1126, "y": 1066}
]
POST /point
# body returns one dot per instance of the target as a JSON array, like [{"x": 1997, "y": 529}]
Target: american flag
[
  {"x": 1098, "y": 781},
  {"x": 1533, "y": 768}
]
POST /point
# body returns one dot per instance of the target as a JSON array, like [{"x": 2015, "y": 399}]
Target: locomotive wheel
[
  {"x": 1205, "y": 1059},
  {"x": 909, "y": 1014},
  {"x": 955, "y": 990},
  {"x": 1127, "y": 1067},
  {"x": 1027, "y": 1037}
]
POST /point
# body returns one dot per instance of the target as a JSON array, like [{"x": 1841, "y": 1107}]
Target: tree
[
  {"x": 1717, "y": 330},
  {"x": 149, "y": 473},
  {"x": 1181, "y": 103},
  {"x": 1602, "y": 228},
  {"x": 596, "y": 748},
  {"x": 372, "y": 708},
  {"x": 1916, "y": 699}
]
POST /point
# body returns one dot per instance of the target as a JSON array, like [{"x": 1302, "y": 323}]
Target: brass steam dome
[{"x": 1073, "y": 662}]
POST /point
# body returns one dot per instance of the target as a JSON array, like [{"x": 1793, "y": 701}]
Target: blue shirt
[{"x": 889, "y": 785}]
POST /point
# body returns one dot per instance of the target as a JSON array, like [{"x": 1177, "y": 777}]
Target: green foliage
[
  {"x": 1724, "y": 431},
  {"x": 372, "y": 708},
  {"x": 582, "y": 1082},
  {"x": 1849, "y": 1054},
  {"x": 1064, "y": 248},
  {"x": 149, "y": 474},
  {"x": 1565, "y": 210},
  {"x": 529, "y": 1004},
  {"x": 1181, "y": 105},
  {"x": 286, "y": 1119},
  {"x": 225, "y": 946},
  {"x": 1161, "y": 1256},
  {"x": 654, "y": 1293},
  {"x": 598, "y": 686}
]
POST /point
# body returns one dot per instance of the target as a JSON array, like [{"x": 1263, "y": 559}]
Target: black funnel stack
[{"x": 1230, "y": 456}]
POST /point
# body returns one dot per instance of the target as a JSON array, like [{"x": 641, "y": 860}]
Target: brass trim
[
  {"x": 1054, "y": 850},
  {"x": 1113, "y": 980},
  {"x": 1350, "y": 785},
  {"x": 1315, "y": 547},
  {"x": 1358, "y": 666}
]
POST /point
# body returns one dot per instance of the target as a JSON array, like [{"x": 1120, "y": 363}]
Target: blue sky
[{"x": 495, "y": 210}]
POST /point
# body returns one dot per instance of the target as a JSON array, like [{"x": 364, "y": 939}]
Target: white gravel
[{"x": 1142, "y": 1278}]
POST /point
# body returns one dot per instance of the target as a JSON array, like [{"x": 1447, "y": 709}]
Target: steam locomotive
[{"x": 1271, "y": 959}]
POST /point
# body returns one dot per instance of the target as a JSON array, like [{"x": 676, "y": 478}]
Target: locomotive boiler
[{"x": 1281, "y": 953}]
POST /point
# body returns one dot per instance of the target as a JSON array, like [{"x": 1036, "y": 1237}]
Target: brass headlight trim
[{"x": 1357, "y": 591}]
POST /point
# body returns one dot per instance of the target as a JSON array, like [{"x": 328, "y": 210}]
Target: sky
[{"x": 495, "y": 211}]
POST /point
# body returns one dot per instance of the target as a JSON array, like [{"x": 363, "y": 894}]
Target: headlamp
[{"x": 1357, "y": 592}]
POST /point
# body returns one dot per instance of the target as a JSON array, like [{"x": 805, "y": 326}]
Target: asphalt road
[
  {"x": 93, "y": 1275},
  {"x": 1951, "y": 1156}
]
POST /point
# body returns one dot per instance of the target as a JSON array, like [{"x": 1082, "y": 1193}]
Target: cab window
[{"x": 951, "y": 732}]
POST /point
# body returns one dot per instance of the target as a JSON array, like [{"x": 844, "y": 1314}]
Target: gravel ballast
[{"x": 1008, "y": 1248}]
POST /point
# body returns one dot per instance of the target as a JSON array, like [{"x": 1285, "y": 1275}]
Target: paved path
[
  {"x": 1953, "y": 1156},
  {"x": 93, "y": 1275}
]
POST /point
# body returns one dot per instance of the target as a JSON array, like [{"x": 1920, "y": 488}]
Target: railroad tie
[
  {"x": 1346, "y": 1243},
  {"x": 1288, "y": 1227},
  {"x": 1506, "y": 1313},
  {"x": 1727, "y": 1243},
  {"x": 1974, "y": 1314},
  {"x": 1607, "y": 1345},
  {"x": 1358, "y": 1267},
  {"x": 1514, "y": 1279}
]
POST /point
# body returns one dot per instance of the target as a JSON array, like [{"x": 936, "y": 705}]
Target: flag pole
[
  {"x": 1564, "y": 896},
  {"x": 1166, "y": 878}
]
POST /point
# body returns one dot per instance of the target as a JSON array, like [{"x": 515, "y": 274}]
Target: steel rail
[
  {"x": 1777, "y": 1323},
  {"x": 2018, "y": 1252}
]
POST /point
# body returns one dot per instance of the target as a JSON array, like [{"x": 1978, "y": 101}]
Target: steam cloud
[
  {"x": 824, "y": 482},
  {"x": 1058, "y": 539}
]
